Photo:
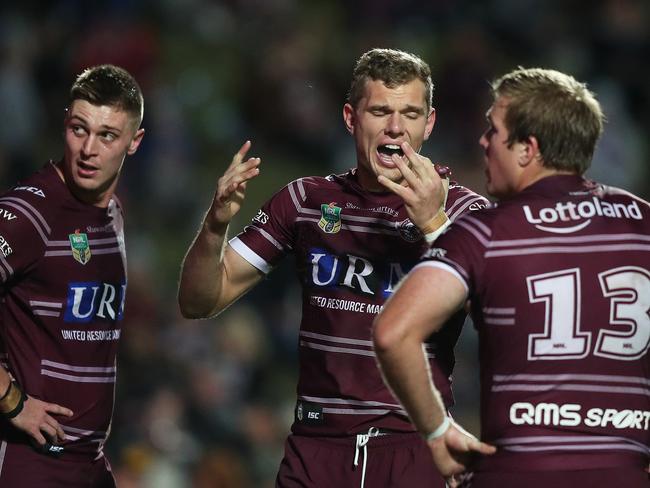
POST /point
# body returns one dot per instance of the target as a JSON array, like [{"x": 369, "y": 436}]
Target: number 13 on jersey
[{"x": 628, "y": 336}]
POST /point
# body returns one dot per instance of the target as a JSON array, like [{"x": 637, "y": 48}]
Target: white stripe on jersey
[
  {"x": 578, "y": 249},
  {"x": 111, "y": 250},
  {"x": 87, "y": 436},
  {"x": 247, "y": 253},
  {"x": 345, "y": 401},
  {"x": 572, "y": 387},
  {"x": 38, "y": 303},
  {"x": 562, "y": 377},
  {"x": 31, "y": 213},
  {"x": 78, "y": 379},
  {"x": 80, "y": 369},
  {"x": 345, "y": 340},
  {"x": 369, "y": 406},
  {"x": 462, "y": 204},
  {"x": 46, "y": 305},
  {"x": 6, "y": 271},
  {"x": 437, "y": 264},
  {"x": 353, "y": 411},
  {"x": 581, "y": 441},
  {"x": 569, "y": 239},
  {"x": 94, "y": 242},
  {"x": 47, "y": 369}
]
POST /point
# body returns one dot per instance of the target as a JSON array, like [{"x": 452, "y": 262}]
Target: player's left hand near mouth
[{"x": 422, "y": 189}]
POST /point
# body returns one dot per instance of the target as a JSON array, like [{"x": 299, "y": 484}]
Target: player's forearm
[
  {"x": 202, "y": 273},
  {"x": 406, "y": 372}
]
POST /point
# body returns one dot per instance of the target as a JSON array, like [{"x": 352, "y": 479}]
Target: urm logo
[
  {"x": 89, "y": 300},
  {"x": 353, "y": 272}
]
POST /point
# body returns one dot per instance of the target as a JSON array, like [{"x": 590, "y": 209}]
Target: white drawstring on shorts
[{"x": 362, "y": 441}]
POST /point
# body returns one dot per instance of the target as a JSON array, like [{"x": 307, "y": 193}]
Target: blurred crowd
[{"x": 209, "y": 403}]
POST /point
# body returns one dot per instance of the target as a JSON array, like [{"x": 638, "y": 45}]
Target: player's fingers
[
  {"x": 452, "y": 482},
  {"x": 239, "y": 155},
  {"x": 60, "y": 434},
  {"x": 243, "y": 172},
  {"x": 411, "y": 178},
  {"x": 481, "y": 447},
  {"x": 392, "y": 186},
  {"x": 58, "y": 409},
  {"x": 420, "y": 165},
  {"x": 38, "y": 437},
  {"x": 48, "y": 429}
]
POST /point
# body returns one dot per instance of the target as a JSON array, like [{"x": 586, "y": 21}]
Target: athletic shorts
[
  {"x": 391, "y": 461},
  {"x": 626, "y": 477},
  {"x": 21, "y": 466}
]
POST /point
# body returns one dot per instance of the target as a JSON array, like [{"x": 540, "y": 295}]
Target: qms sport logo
[
  {"x": 567, "y": 213},
  {"x": 92, "y": 300},
  {"x": 571, "y": 415}
]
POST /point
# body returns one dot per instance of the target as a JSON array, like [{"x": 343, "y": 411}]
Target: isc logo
[
  {"x": 313, "y": 415},
  {"x": 87, "y": 300}
]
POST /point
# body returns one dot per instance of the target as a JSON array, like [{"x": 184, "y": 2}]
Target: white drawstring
[{"x": 362, "y": 441}]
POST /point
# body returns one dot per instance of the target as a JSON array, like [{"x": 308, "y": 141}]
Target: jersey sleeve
[
  {"x": 461, "y": 200},
  {"x": 461, "y": 249},
  {"x": 24, "y": 234},
  {"x": 270, "y": 236}
]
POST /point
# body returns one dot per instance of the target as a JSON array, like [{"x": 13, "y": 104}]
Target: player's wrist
[
  {"x": 438, "y": 431},
  {"x": 13, "y": 401},
  {"x": 436, "y": 226}
]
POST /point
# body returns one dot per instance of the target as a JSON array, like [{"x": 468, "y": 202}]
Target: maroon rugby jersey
[
  {"x": 351, "y": 248},
  {"x": 62, "y": 266},
  {"x": 559, "y": 281}
]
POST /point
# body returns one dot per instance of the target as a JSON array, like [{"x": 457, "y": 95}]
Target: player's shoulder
[
  {"x": 614, "y": 193},
  {"x": 313, "y": 186},
  {"x": 461, "y": 200},
  {"x": 39, "y": 194}
]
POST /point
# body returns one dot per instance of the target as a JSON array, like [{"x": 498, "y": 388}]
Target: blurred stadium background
[{"x": 208, "y": 404}]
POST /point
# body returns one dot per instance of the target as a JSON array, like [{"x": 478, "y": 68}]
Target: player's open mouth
[
  {"x": 86, "y": 169},
  {"x": 386, "y": 151}
]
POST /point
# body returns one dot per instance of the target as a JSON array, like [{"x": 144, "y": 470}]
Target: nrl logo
[
  {"x": 330, "y": 221},
  {"x": 80, "y": 247}
]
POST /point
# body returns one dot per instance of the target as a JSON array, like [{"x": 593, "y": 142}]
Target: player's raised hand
[
  {"x": 424, "y": 188},
  {"x": 35, "y": 419},
  {"x": 231, "y": 187},
  {"x": 454, "y": 451}
]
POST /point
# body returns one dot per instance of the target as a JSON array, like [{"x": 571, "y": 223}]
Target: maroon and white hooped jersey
[
  {"x": 63, "y": 282},
  {"x": 351, "y": 248},
  {"x": 559, "y": 281}
]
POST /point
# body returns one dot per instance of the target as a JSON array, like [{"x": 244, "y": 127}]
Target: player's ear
[
  {"x": 431, "y": 120},
  {"x": 529, "y": 151},
  {"x": 135, "y": 142},
  {"x": 348, "y": 117}
]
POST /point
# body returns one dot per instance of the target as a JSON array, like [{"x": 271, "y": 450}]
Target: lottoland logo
[
  {"x": 570, "y": 415},
  {"x": 571, "y": 212}
]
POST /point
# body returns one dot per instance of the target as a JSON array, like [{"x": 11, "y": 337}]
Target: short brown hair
[
  {"x": 394, "y": 68},
  {"x": 111, "y": 85},
  {"x": 560, "y": 112}
]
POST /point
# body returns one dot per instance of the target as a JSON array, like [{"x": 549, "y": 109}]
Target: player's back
[
  {"x": 567, "y": 380},
  {"x": 561, "y": 274}
]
